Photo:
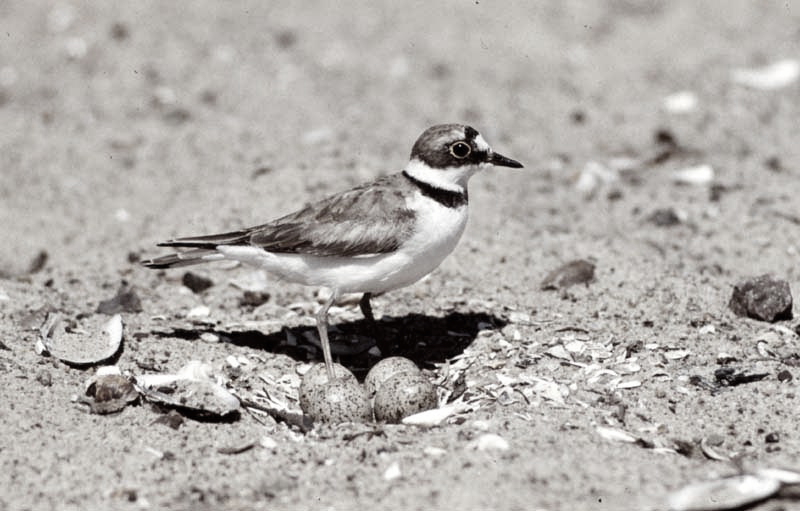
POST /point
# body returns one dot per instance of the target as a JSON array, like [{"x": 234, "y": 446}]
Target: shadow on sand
[{"x": 423, "y": 339}]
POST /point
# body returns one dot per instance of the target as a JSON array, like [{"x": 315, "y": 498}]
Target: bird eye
[{"x": 460, "y": 150}]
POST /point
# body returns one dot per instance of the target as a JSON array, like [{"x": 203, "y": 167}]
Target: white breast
[{"x": 436, "y": 233}]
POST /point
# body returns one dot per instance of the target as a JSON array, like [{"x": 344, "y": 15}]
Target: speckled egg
[
  {"x": 340, "y": 400},
  {"x": 384, "y": 370},
  {"x": 404, "y": 394}
]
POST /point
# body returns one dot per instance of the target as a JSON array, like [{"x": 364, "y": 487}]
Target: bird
[{"x": 371, "y": 239}]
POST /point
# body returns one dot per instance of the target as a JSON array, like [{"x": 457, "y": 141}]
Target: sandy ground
[{"x": 126, "y": 124}]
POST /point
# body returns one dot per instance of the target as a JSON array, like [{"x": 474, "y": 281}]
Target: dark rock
[
  {"x": 253, "y": 298},
  {"x": 126, "y": 300},
  {"x": 664, "y": 217},
  {"x": 579, "y": 271},
  {"x": 785, "y": 376},
  {"x": 172, "y": 419},
  {"x": 772, "y": 438},
  {"x": 764, "y": 298},
  {"x": 39, "y": 262},
  {"x": 197, "y": 283}
]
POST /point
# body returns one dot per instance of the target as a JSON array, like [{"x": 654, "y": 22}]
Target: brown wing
[{"x": 370, "y": 219}]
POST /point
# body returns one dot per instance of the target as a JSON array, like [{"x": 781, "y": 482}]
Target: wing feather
[{"x": 369, "y": 219}]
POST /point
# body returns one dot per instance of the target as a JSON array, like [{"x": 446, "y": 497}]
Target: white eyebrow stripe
[{"x": 481, "y": 144}]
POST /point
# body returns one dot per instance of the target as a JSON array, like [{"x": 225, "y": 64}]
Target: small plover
[{"x": 374, "y": 238}]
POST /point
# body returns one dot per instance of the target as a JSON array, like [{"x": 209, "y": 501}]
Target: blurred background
[{"x": 124, "y": 123}]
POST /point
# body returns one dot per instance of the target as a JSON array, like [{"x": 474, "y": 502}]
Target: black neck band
[{"x": 444, "y": 197}]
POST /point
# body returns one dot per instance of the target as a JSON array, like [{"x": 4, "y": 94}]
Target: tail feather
[
  {"x": 210, "y": 241},
  {"x": 188, "y": 258}
]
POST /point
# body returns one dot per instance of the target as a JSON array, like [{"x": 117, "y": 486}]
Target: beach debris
[
  {"x": 593, "y": 176},
  {"x": 778, "y": 342},
  {"x": 697, "y": 175},
  {"x": 435, "y": 416},
  {"x": 489, "y": 442},
  {"x": 193, "y": 390},
  {"x": 731, "y": 376},
  {"x": 681, "y": 102},
  {"x": 776, "y": 75},
  {"x": 126, "y": 300},
  {"x": 108, "y": 391},
  {"x": 579, "y": 271},
  {"x": 342, "y": 399},
  {"x": 765, "y": 298},
  {"x": 403, "y": 394},
  {"x": 733, "y": 492},
  {"x": 76, "y": 345},
  {"x": 392, "y": 472}
]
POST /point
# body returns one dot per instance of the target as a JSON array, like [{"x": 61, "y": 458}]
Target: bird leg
[
  {"x": 366, "y": 307},
  {"x": 322, "y": 328}
]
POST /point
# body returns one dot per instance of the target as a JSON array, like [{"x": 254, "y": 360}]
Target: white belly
[{"x": 437, "y": 231}]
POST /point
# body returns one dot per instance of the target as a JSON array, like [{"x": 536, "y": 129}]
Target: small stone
[
  {"x": 490, "y": 442},
  {"x": 197, "y": 283},
  {"x": 201, "y": 311},
  {"x": 785, "y": 376},
  {"x": 579, "y": 271},
  {"x": 44, "y": 378},
  {"x": 392, "y": 472},
  {"x": 209, "y": 337},
  {"x": 764, "y": 298},
  {"x": 664, "y": 217},
  {"x": 772, "y": 438},
  {"x": 126, "y": 300},
  {"x": 253, "y": 299}
]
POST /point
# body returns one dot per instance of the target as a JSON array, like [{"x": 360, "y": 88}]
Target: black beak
[{"x": 501, "y": 161}]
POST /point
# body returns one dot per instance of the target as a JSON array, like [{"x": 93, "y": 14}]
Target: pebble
[
  {"x": 393, "y": 472},
  {"x": 579, "y": 271},
  {"x": 197, "y": 283},
  {"x": 209, "y": 337},
  {"x": 697, "y": 175},
  {"x": 490, "y": 442},
  {"x": 201, "y": 311},
  {"x": 682, "y": 102},
  {"x": 764, "y": 298},
  {"x": 126, "y": 300}
]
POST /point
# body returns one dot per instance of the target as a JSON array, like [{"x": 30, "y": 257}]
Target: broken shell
[
  {"x": 728, "y": 493},
  {"x": 384, "y": 370},
  {"x": 615, "y": 435},
  {"x": 710, "y": 452},
  {"x": 681, "y": 102},
  {"x": 201, "y": 397},
  {"x": 80, "y": 348},
  {"x": 192, "y": 389},
  {"x": 404, "y": 394},
  {"x": 770, "y": 77},
  {"x": 697, "y": 175},
  {"x": 110, "y": 393},
  {"x": 434, "y": 417}
]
